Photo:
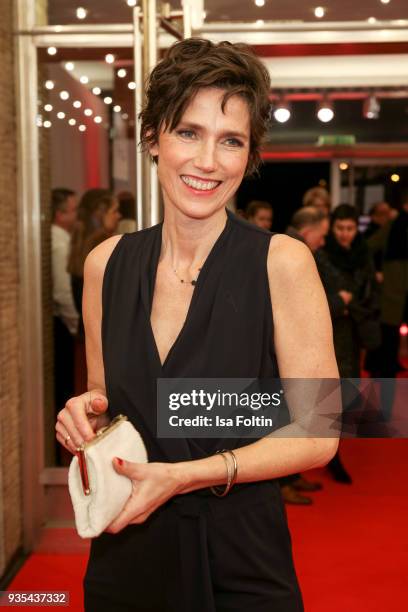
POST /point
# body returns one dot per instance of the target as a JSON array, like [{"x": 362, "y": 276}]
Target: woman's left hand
[{"x": 152, "y": 485}]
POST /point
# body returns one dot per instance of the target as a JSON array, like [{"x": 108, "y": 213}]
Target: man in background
[
  {"x": 380, "y": 214},
  {"x": 64, "y": 213},
  {"x": 309, "y": 225}
]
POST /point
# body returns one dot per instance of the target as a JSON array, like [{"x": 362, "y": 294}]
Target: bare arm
[
  {"x": 84, "y": 414},
  {"x": 304, "y": 349}
]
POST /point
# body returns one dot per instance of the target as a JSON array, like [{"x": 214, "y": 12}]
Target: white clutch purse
[{"x": 98, "y": 492}]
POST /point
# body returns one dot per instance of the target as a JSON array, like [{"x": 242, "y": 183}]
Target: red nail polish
[{"x": 119, "y": 460}]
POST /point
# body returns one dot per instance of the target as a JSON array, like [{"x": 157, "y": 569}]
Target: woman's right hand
[{"x": 81, "y": 417}]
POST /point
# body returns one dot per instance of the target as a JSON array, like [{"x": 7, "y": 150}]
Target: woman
[
  {"x": 318, "y": 197},
  {"x": 127, "y": 207},
  {"x": 176, "y": 302},
  {"x": 98, "y": 218}
]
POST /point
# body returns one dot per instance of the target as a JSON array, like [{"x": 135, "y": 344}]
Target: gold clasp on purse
[{"x": 101, "y": 433}]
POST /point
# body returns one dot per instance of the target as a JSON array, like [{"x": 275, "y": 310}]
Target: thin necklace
[{"x": 187, "y": 282}]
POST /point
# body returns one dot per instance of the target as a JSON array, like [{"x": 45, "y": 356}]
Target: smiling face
[{"x": 201, "y": 163}]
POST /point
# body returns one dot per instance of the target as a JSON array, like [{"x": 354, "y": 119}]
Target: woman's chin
[{"x": 200, "y": 210}]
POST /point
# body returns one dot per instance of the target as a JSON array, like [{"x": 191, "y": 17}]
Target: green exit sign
[{"x": 342, "y": 139}]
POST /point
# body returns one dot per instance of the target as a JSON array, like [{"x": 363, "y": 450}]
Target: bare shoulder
[
  {"x": 289, "y": 259},
  {"x": 300, "y": 311},
  {"x": 97, "y": 259}
]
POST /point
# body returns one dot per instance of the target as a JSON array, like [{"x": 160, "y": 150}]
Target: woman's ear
[{"x": 154, "y": 150}]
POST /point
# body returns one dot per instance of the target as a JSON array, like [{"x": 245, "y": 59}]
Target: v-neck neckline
[{"x": 196, "y": 290}]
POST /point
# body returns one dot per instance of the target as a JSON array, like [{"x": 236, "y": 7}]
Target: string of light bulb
[{"x": 77, "y": 104}]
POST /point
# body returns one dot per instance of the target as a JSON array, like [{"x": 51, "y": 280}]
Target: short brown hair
[{"x": 194, "y": 64}]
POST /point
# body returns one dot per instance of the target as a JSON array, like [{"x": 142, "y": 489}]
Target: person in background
[
  {"x": 260, "y": 213},
  {"x": 391, "y": 242},
  {"x": 347, "y": 271},
  {"x": 64, "y": 205},
  {"x": 380, "y": 214},
  {"x": 127, "y": 207},
  {"x": 98, "y": 219},
  {"x": 309, "y": 225},
  {"x": 318, "y": 197}
]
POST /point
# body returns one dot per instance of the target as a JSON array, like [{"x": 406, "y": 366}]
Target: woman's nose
[{"x": 206, "y": 159}]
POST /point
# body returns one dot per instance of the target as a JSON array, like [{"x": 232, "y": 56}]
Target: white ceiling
[
  {"x": 285, "y": 22},
  {"x": 117, "y": 11},
  {"x": 302, "y": 10},
  {"x": 338, "y": 71}
]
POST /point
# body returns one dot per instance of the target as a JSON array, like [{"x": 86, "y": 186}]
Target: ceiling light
[
  {"x": 109, "y": 58},
  {"x": 49, "y": 84},
  {"x": 82, "y": 127},
  {"x": 88, "y": 112},
  {"x": 131, "y": 2},
  {"x": 319, "y": 12},
  {"x": 84, "y": 79},
  {"x": 395, "y": 178},
  {"x": 108, "y": 100},
  {"x": 81, "y": 12},
  {"x": 47, "y": 124},
  {"x": 117, "y": 108},
  {"x": 385, "y": 1},
  {"x": 371, "y": 108},
  {"x": 64, "y": 95},
  {"x": 282, "y": 112},
  {"x": 77, "y": 104},
  {"x": 343, "y": 166},
  {"x": 69, "y": 66},
  {"x": 132, "y": 85},
  {"x": 121, "y": 73},
  {"x": 259, "y": 22},
  {"x": 372, "y": 20},
  {"x": 61, "y": 115},
  {"x": 98, "y": 119},
  {"x": 96, "y": 91},
  {"x": 48, "y": 108},
  {"x": 72, "y": 122},
  {"x": 260, "y": 2},
  {"x": 52, "y": 50},
  {"x": 325, "y": 112}
]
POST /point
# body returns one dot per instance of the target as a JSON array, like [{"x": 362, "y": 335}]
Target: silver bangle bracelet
[{"x": 231, "y": 474}]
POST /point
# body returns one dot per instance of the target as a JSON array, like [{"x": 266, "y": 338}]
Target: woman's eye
[
  {"x": 233, "y": 142},
  {"x": 186, "y": 133}
]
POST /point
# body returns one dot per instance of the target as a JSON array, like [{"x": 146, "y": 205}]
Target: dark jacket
[
  {"x": 391, "y": 242},
  {"x": 356, "y": 325}
]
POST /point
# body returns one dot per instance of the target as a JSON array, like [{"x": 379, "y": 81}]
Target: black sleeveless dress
[{"x": 196, "y": 553}]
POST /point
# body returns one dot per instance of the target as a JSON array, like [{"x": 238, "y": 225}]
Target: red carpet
[{"x": 351, "y": 546}]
